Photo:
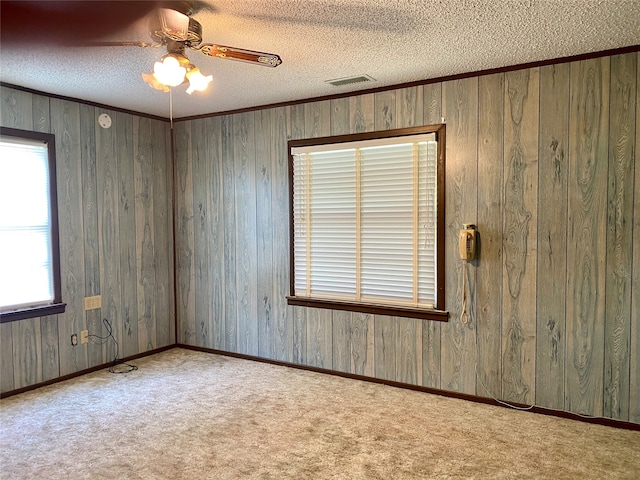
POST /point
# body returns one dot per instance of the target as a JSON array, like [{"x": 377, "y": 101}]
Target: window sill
[
  {"x": 41, "y": 311},
  {"x": 375, "y": 309}
]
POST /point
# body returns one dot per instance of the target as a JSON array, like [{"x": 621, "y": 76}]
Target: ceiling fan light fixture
[
  {"x": 197, "y": 81},
  {"x": 171, "y": 70},
  {"x": 154, "y": 83}
]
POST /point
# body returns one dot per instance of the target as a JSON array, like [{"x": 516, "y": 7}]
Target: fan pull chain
[{"x": 171, "y": 107}]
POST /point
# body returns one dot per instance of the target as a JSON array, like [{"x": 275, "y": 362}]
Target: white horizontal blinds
[
  {"x": 387, "y": 222},
  {"x": 428, "y": 215},
  {"x": 301, "y": 220},
  {"x": 365, "y": 220},
  {"x": 26, "y": 271},
  {"x": 333, "y": 224}
]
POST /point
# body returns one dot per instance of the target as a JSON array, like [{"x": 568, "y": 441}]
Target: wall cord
[
  {"x": 464, "y": 315},
  {"x": 128, "y": 367},
  {"x": 464, "y": 319}
]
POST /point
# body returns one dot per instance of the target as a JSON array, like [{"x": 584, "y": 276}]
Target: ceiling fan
[{"x": 178, "y": 32}]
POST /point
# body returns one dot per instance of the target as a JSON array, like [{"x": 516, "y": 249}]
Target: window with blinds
[
  {"x": 29, "y": 263},
  {"x": 366, "y": 216}
]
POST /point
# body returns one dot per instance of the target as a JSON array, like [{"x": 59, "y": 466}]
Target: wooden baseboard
[
  {"x": 83, "y": 372},
  {"x": 609, "y": 422}
]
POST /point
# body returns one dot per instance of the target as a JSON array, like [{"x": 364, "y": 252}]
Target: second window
[{"x": 367, "y": 216}]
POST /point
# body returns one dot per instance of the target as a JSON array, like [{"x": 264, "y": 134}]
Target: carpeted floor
[{"x": 192, "y": 415}]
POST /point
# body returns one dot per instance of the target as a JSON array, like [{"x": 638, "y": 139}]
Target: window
[
  {"x": 367, "y": 224},
  {"x": 29, "y": 251}
]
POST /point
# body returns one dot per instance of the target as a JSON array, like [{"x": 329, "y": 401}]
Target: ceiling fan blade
[
  {"x": 65, "y": 22},
  {"x": 233, "y": 53},
  {"x": 118, "y": 44}
]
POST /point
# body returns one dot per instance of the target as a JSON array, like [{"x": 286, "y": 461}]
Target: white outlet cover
[{"x": 104, "y": 120}]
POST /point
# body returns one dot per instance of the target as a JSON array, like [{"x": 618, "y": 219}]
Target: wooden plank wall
[
  {"x": 114, "y": 193},
  {"x": 543, "y": 160}
]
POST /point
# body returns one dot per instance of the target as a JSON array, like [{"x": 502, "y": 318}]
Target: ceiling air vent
[{"x": 338, "y": 82}]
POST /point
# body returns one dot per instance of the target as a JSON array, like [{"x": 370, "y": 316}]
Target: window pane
[
  {"x": 24, "y": 185},
  {"x": 333, "y": 219},
  {"x": 387, "y": 222},
  {"x": 300, "y": 192},
  {"x": 25, "y": 254},
  {"x": 428, "y": 197},
  {"x": 25, "y": 232},
  {"x": 365, "y": 220}
]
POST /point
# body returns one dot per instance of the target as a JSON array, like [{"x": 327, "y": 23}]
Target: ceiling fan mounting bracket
[
  {"x": 185, "y": 7},
  {"x": 175, "y": 47},
  {"x": 163, "y": 33}
]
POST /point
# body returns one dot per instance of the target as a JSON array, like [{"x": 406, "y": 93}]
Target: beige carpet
[{"x": 192, "y": 415}]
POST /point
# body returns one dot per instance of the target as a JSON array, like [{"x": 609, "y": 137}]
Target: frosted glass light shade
[
  {"x": 153, "y": 82},
  {"x": 197, "y": 81},
  {"x": 169, "y": 72}
]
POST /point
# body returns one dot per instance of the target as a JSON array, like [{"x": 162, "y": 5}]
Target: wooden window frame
[
  {"x": 438, "y": 313},
  {"x": 57, "y": 306}
]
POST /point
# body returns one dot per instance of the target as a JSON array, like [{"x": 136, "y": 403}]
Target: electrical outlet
[
  {"x": 74, "y": 339},
  {"x": 84, "y": 336}
]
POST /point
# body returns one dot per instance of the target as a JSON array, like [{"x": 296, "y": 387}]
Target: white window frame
[{"x": 402, "y": 299}]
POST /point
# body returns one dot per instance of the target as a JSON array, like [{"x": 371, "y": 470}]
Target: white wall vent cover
[{"x": 337, "y": 82}]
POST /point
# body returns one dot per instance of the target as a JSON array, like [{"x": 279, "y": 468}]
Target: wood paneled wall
[
  {"x": 114, "y": 194},
  {"x": 543, "y": 160}
]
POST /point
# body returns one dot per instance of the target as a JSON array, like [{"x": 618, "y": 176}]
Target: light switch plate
[{"x": 91, "y": 303}]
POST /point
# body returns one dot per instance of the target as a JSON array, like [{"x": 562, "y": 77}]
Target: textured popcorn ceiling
[{"x": 393, "y": 41}]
